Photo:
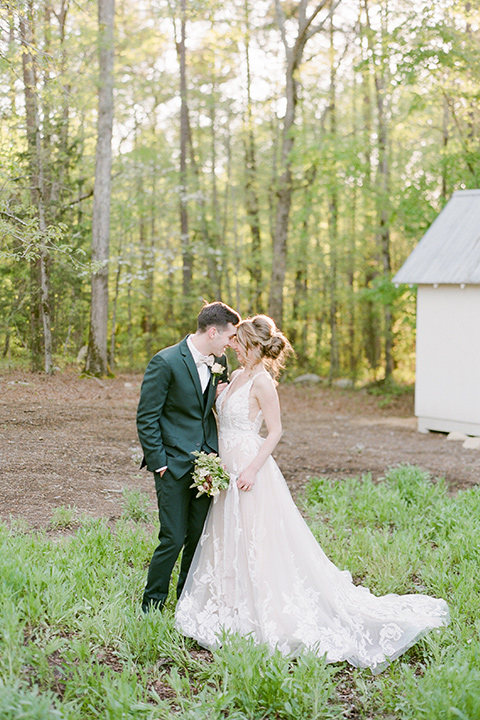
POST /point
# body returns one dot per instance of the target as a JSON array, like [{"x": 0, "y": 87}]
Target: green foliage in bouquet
[{"x": 209, "y": 475}]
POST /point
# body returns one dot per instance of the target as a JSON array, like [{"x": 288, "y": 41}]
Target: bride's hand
[{"x": 246, "y": 480}]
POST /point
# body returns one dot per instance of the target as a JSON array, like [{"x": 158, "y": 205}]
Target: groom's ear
[{"x": 211, "y": 332}]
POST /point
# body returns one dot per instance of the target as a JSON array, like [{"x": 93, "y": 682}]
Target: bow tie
[{"x": 205, "y": 360}]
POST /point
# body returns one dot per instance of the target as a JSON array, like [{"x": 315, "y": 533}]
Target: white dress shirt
[{"x": 202, "y": 362}]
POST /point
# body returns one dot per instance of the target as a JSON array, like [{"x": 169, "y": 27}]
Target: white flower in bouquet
[{"x": 209, "y": 475}]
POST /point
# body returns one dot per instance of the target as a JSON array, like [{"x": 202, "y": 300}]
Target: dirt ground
[{"x": 70, "y": 441}]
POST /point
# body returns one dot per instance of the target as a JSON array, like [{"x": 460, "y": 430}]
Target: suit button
[{"x": 197, "y": 444}]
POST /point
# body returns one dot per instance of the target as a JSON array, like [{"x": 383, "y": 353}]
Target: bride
[{"x": 257, "y": 569}]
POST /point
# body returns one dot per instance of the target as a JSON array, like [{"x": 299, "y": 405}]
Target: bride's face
[{"x": 241, "y": 353}]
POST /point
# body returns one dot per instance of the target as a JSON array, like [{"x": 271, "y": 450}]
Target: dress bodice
[{"x": 233, "y": 408}]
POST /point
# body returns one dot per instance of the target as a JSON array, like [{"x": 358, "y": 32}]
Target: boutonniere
[{"x": 217, "y": 370}]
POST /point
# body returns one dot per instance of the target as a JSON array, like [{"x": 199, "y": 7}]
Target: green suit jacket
[{"x": 173, "y": 417}]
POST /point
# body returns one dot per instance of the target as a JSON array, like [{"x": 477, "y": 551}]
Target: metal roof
[{"x": 449, "y": 252}]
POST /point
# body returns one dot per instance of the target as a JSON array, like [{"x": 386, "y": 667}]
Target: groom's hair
[{"x": 217, "y": 314}]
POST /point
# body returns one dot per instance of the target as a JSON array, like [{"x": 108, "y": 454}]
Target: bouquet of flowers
[{"x": 209, "y": 475}]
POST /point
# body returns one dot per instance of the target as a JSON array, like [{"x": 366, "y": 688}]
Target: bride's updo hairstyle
[{"x": 260, "y": 335}]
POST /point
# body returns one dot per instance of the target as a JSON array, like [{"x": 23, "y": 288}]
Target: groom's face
[{"x": 220, "y": 338}]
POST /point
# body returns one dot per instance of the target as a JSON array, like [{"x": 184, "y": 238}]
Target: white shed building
[{"x": 446, "y": 267}]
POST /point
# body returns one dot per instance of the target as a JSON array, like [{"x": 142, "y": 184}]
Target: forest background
[{"x": 282, "y": 156}]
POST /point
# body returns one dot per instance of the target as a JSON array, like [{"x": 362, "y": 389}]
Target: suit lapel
[
  {"x": 212, "y": 386},
  {"x": 192, "y": 369}
]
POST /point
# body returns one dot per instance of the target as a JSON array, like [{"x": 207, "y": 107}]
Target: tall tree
[
  {"x": 251, "y": 187},
  {"x": 306, "y": 27},
  {"x": 333, "y": 202},
  {"x": 40, "y": 282},
  {"x": 379, "y": 68},
  {"x": 98, "y": 339},
  {"x": 187, "y": 255}
]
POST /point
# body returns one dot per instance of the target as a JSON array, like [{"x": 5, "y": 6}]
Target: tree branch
[
  {"x": 80, "y": 199},
  {"x": 316, "y": 28},
  {"x": 281, "y": 23},
  {"x": 13, "y": 217}
]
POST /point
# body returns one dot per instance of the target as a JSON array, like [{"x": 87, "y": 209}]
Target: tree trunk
[
  {"x": 301, "y": 312},
  {"x": 351, "y": 256},
  {"x": 36, "y": 337},
  {"x": 445, "y": 141},
  {"x": 114, "y": 309},
  {"x": 383, "y": 192},
  {"x": 187, "y": 256},
  {"x": 384, "y": 220},
  {"x": 12, "y": 90},
  {"x": 254, "y": 265},
  {"x": 294, "y": 52},
  {"x": 150, "y": 279},
  {"x": 226, "y": 215},
  {"x": 39, "y": 276},
  {"x": 58, "y": 174},
  {"x": 97, "y": 363},
  {"x": 299, "y": 303},
  {"x": 333, "y": 290},
  {"x": 213, "y": 239},
  {"x": 370, "y": 320},
  {"x": 333, "y": 216},
  {"x": 284, "y": 201}
]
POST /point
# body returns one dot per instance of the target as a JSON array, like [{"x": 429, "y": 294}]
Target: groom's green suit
[{"x": 174, "y": 418}]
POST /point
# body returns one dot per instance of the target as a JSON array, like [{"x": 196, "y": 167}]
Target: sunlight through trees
[{"x": 284, "y": 157}]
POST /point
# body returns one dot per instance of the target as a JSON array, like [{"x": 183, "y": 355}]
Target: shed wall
[{"x": 447, "y": 389}]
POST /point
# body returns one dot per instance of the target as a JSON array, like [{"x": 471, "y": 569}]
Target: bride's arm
[{"x": 263, "y": 390}]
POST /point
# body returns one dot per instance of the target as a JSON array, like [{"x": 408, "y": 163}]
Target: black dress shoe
[{"x": 148, "y": 605}]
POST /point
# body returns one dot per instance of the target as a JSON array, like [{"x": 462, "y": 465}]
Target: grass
[
  {"x": 74, "y": 644},
  {"x": 137, "y": 506},
  {"x": 63, "y": 517},
  {"x": 387, "y": 390}
]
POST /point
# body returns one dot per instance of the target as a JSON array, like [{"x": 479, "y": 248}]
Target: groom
[{"x": 174, "y": 418}]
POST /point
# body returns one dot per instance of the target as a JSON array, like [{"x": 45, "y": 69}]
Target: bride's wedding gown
[{"x": 259, "y": 571}]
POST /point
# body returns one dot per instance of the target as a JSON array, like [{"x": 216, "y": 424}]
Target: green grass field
[{"x": 74, "y": 644}]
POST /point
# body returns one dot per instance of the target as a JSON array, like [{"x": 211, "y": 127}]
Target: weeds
[
  {"x": 136, "y": 506},
  {"x": 75, "y": 646},
  {"x": 387, "y": 390},
  {"x": 63, "y": 517}
]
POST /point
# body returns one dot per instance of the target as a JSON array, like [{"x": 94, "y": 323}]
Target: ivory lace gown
[{"x": 259, "y": 571}]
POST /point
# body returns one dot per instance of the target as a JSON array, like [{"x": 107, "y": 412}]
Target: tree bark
[
  {"x": 114, "y": 308},
  {"x": 298, "y": 332},
  {"x": 445, "y": 141},
  {"x": 227, "y": 213},
  {"x": 187, "y": 256},
  {"x": 97, "y": 362},
  {"x": 383, "y": 192},
  {"x": 40, "y": 282},
  {"x": 254, "y": 265},
  {"x": 212, "y": 238},
  {"x": 293, "y": 53},
  {"x": 351, "y": 255},
  {"x": 333, "y": 216}
]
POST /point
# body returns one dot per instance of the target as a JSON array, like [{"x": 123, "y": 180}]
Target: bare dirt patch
[{"x": 66, "y": 440}]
